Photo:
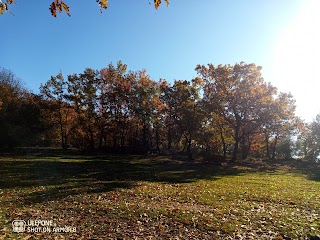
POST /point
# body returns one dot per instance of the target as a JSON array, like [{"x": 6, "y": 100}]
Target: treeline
[{"x": 227, "y": 110}]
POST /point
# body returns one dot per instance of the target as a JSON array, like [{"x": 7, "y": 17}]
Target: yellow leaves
[
  {"x": 157, "y": 3},
  {"x": 53, "y": 9},
  {"x": 60, "y": 6},
  {"x": 103, "y": 4},
  {"x": 4, "y": 7},
  {"x": 66, "y": 8},
  {"x": 219, "y": 212}
]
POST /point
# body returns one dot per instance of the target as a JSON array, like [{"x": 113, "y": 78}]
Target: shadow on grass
[{"x": 72, "y": 175}]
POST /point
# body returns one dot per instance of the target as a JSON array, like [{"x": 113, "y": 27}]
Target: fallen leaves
[{"x": 244, "y": 206}]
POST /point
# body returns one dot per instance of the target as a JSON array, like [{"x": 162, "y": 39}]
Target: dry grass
[{"x": 110, "y": 197}]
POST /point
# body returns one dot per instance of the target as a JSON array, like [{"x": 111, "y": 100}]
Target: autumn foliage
[
  {"x": 58, "y": 6},
  {"x": 227, "y": 110}
]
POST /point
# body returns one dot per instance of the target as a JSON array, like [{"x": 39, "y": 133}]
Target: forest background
[
  {"x": 227, "y": 110},
  {"x": 220, "y": 109}
]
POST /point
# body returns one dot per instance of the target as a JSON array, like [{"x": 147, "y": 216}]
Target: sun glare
[{"x": 296, "y": 59}]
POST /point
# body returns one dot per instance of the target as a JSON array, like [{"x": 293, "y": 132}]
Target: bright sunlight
[{"x": 296, "y": 58}]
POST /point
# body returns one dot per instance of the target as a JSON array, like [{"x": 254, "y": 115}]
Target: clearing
[{"x": 158, "y": 197}]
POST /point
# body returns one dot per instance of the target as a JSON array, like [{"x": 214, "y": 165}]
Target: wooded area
[{"x": 227, "y": 110}]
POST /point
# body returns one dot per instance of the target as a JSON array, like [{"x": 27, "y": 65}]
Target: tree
[
  {"x": 55, "y": 91},
  {"x": 280, "y": 123},
  {"x": 186, "y": 109},
  {"x": 59, "y": 6},
  {"x": 11, "y": 95},
  {"x": 310, "y": 140},
  {"x": 30, "y": 121},
  {"x": 20, "y": 114},
  {"x": 82, "y": 94},
  {"x": 115, "y": 102},
  {"x": 167, "y": 115},
  {"x": 301, "y": 147},
  {"x": 147, "y": 107},
  {"x": 228, "y": 108},
  {"x": 238, "y": 94},
  {"x": 221, "y": 133}
]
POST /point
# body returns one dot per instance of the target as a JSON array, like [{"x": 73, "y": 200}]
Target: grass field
[{"x": 135, "y": 197}]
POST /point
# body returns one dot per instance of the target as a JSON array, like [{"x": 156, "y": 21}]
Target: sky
[{"x": 282, "y": 36}]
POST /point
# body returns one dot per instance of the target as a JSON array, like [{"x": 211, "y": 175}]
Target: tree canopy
[
  {"x": 58, "y": 6},
  {"x": 227, "y": 110}
]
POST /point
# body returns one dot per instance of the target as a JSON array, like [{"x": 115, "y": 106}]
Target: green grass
[{"x": 108, "y": 197}]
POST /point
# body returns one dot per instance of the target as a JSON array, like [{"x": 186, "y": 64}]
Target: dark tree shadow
[{"x": 72, "y": 175}]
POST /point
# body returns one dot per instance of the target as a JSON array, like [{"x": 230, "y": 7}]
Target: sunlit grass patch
[{"x": 113, "y": 196}]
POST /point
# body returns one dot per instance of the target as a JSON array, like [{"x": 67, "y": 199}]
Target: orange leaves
[
  {"x": 66, "y": 8},
  {"x": 53, "y": 9},
  {"x": 4, "y": 7},
  {"x": 60, "y": 6},
  {"x": 157, "y": 3},
  {"x": 103, "y": 4}
]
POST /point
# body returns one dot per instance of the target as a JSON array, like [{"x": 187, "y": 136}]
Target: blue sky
[{"x": 168, "y": 42}]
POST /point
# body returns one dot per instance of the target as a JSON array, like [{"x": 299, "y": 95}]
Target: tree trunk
[
  {"x": 236, "y": 144},
  {"x": 115, "y": 141},
  {"x": 158, "y": 140},
  {"x": 224, "y": 145},
  {"x": 104, "y": 141},
  {"x": 92, "y": 147},
  {"x": 62, "y": 133},
  {"x": 245, "y": 151},
  {"x": 169, "y": 139},
  {"x": 235, "y": 150},
  {"x": 246, "y": 145},
  {"x": 185, "y": 146},
  {"x": 189, "y": 153},
  {"x": 274, "y": 148},
  {"x": 122, "y": 141},
  {"x": 145, "y": 137},
  {"x": 63, "y": 144},
  {"x": 267, "y": 146},
  {"x": 100, "y": 140}
]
